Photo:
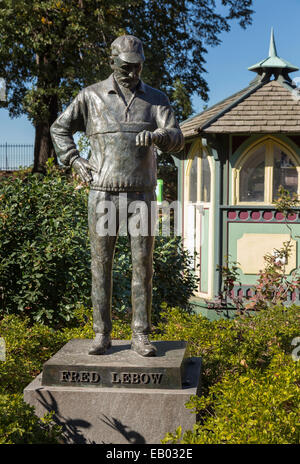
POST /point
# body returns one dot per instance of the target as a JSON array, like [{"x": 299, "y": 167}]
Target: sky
[{"x": 226, "y": 64}]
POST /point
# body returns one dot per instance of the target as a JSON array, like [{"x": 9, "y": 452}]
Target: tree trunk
[{"x": 43, "y": 147}]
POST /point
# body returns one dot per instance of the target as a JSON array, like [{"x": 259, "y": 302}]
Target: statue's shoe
[
  {"x": 140, "y": 344},
  {"x": 100, "y": 344}
]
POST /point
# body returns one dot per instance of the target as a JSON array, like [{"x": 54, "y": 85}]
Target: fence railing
[{"x": 14, "y": 157}]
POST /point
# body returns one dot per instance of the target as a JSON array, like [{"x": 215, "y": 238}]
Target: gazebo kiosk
[{"x": 238, "y": 153}]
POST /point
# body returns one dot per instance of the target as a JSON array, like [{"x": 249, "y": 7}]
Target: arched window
[
  {"x": 262, "y": 170},
  {"x": 199, "y": 178}
]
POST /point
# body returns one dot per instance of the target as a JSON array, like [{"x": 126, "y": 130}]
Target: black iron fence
[{"x": 14, "y": 157}]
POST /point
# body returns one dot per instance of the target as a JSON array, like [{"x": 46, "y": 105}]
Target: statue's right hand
[{"x": 82, "y": 167}]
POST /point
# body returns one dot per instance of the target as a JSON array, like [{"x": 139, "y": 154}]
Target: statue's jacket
[{"x": 112, "y": 125}]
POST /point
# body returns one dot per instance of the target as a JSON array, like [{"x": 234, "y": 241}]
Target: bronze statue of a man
[{"x": 124, "y": 119}]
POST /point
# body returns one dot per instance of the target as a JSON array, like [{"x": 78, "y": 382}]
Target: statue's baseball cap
[{"x": 128, "y": 48}]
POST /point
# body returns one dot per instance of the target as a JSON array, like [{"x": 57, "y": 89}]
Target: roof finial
[
  {"x": 272, "y": 50},
  {"x": 273, "y": 64}
]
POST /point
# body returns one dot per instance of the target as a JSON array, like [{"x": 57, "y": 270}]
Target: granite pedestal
[{"x": 119, "y": 397}]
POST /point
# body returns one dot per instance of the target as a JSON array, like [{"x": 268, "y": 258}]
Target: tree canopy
[{"x": 49, "y": 49}]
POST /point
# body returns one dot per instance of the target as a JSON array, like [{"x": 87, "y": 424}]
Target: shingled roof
[
  {"x": 264, "y": 106},
  {"x": 270, "y": 108}
]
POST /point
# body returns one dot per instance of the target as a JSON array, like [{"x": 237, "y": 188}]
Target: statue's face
[{"x": 126, "y": 74}]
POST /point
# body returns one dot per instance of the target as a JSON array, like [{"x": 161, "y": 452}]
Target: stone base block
[
  {"x": 117, "y": 416},
  {"x": 119, "y": 367}
]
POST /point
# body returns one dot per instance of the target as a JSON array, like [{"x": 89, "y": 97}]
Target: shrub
[
  {"x": 19, "y": 424},
  {"x": 45, "y": 255},
  {"x": 44, "y": 266},
  {"x": 245, "y": 342},
  {"x": 250, "y": 381},
  {"x": 27, "y": 348},
  {"x": 255, "y": 407},
  {"x": 173, "y": 281}
]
